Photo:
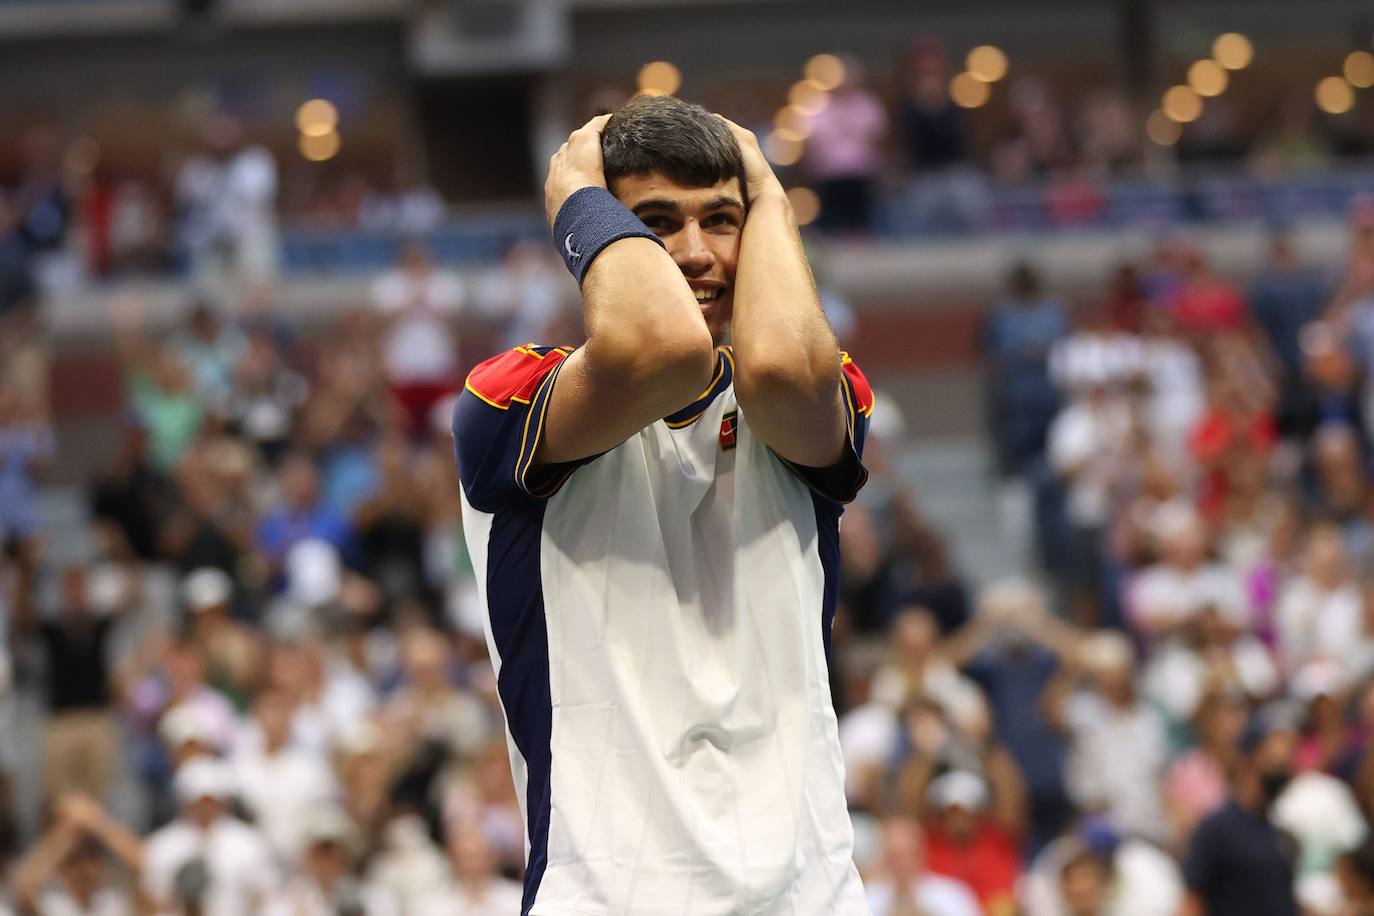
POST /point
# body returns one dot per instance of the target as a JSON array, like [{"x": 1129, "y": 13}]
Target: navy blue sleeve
[
  {"x": 841, "y": 481},
  {"x": 497, "y": 425}
]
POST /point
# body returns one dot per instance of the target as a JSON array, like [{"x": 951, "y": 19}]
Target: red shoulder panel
[
  {"x": 863, "y": 392},
  {"x": 513, "y": 375}
]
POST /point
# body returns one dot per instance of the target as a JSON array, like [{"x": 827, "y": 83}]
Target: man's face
[{"x": 701, "y": 229}]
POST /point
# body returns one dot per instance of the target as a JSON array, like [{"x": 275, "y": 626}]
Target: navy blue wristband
[{"x": 588, "y": 221}]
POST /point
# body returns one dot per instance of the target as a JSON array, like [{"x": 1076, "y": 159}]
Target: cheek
[{"x": 726, "y": 249}]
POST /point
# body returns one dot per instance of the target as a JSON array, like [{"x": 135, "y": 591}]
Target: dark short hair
[{"x": 664, "y": 134}]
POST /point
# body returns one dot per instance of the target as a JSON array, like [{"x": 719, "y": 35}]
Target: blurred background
[{"x": 1109, "y": 265}]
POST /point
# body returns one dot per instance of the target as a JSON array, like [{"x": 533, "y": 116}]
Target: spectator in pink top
[{"x": 843, "y": 153}]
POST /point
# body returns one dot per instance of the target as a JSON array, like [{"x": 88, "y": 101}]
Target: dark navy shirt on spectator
[
  {"x": 1239, "y": 864},
  {"x": 78, "y": 677}
]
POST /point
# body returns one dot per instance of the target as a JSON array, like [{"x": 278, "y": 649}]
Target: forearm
[{"x": 780, "y": 334}]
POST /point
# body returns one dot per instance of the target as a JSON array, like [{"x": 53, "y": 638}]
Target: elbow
[
  {"x": 679, "y": 366},
  {"x": 813, "y": 381}
]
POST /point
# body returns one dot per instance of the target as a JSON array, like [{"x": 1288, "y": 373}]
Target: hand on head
[{"x": 576, "y": 165}]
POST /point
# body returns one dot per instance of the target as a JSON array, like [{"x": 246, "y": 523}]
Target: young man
[{"x": 654, "y": 521}]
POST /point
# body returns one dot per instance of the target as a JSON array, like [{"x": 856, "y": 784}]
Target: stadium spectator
[
  {"x": 843, "y": 153},
  {"x": 904, "y": 885},
  {"x": 326, "y": 883},
  {"x": 474, "y": 886},
  {"x": 80, "y": 738},
  {"x": 1237, "y": 860},
  {"x": 67, "y": 870},
  {"x": 207, "y": 860},
  {"x": 1017, "y": 340},
  {"x": 418, "y": 302}
]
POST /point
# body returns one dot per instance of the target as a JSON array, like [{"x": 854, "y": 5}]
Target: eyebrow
[{"x": 719, "y": 203}]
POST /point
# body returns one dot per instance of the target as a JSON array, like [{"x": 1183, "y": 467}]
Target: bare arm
[
  {"x": 89, "y": 815},
  {"x": 1009, "y": 806},
  {"x": 33, "y": 871},
  {"x": 648, "y": 349},
  {"x": 787, "y": 376}
]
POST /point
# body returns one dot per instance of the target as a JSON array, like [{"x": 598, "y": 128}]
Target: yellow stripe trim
[
  {"x": 467, "y": 383},
  {"x": 525, "y": 442}
]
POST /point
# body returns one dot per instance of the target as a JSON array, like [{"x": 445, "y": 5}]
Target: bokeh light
[
  {"x": 782, "y": 148},
  {"x": 987, "y": 63},
  {"x": 825, "y": 70},
  {"x": 1334, "y": 95},
  {"x": 659, "y": 78},
  {"x": 967, "y": 91},
  {"x": 1233, "y": 51},
  {"x": 1207, "y": 78},
  {"x": 806, "y": 206},
  {"x": 808, "y": 96},
  {"x": 1359, "y": 69},
  {"x": 794, "y": 121},
  {"x": 319, "y": 147},
  {"x": 1181, "y": 104},
  {"x": 317, "y": 117},
  {"x": 1161, "y": 129}
]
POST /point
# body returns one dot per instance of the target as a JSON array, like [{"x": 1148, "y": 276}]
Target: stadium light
[
  {"x": 806, "y": 206},
  {"x": 1207, "y": 78},
  {"x": 320, "y": 147},
  {"x": 967, "y": 91},
  {"x": 1334, "y": 95},
  {"x": 659, "y": 78},
  {"x": 987, "y": 63},
  {"x": 1359, "y": 69},
  {"x": 317, "y": 117},
  {"x": 808, "y": 96},
  {"x": 1161, "y": 129},
  {"x": 793, "y": 121},
  {"x": 825, "y": 70},
  {"x": 782, "y": 148},
  {"x": 1233, "y": 51},
  {"x": 1181, "y": 104}
]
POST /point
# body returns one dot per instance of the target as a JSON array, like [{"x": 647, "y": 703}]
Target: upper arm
[
  {"x": 841, "y": 478},
  {"x": 497, "y": 426}
]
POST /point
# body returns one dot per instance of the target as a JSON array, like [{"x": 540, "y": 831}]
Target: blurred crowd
[
  {"x": 1179, "y": 719},
  {"x": 263, "y": 686}
]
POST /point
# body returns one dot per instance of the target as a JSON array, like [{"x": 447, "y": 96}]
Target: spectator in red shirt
[
  {"x": 973, "y": 837},
  {"x": 1206, "y": 303},
  {"x": 1235, "y": 426}
]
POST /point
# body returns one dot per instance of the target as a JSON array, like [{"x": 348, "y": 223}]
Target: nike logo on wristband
[{"x": 567, "y": 244}]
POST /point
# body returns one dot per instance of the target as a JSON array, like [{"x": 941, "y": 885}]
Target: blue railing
[{"x": 925, "y": 209}]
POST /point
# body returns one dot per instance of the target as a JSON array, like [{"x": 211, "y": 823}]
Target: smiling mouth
[{"x": 707, "y": 295}]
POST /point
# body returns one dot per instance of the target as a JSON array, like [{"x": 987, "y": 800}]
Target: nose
[{"x": 691, "y": 253}]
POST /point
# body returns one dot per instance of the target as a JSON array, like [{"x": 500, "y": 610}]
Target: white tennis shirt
[{"x": 659, "y": 620}]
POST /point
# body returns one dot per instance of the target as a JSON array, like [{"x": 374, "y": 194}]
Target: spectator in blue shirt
[
  {"x": 301, "y": 515},
  {"x": 1019, "y": 334}
]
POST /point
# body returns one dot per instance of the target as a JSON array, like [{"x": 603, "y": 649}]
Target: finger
[{"x": 597, "y": 124}]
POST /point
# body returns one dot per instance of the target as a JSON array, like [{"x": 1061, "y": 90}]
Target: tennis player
[{"x": 653, "y": 518}]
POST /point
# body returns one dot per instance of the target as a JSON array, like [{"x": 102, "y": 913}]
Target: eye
[
  {"x": 718, "y": 219},
  {"x": 657, "y": 223}
]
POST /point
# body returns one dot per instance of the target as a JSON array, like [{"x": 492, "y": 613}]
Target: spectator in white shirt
[
  {"x": 280, "y": 783},
  {"x": 66, "y": 873},
  {"x": 206, "y": 858},
  {"x": 476, "y": 888},
  {"x": 325, "y": 884},
  {"x": 1120, "y": 744},
  {"x": 419, "y": 301},
  {"x": 1320, "y": 613},
  {"x": 904, "y": 886},
  {"x": 1169, "y": 595}
]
